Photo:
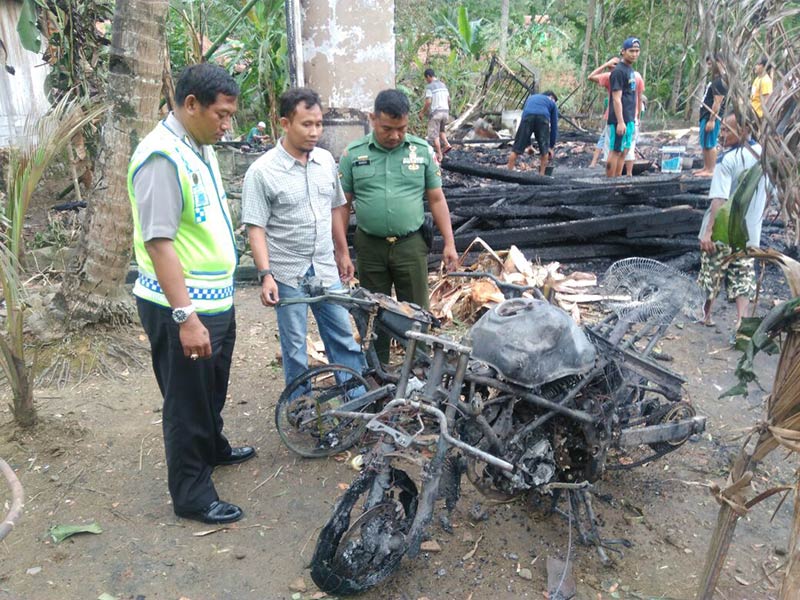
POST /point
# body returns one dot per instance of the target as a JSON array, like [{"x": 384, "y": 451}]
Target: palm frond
[
  {"x": 41, "y": 142},
  {"x": 752, "y": 29}
]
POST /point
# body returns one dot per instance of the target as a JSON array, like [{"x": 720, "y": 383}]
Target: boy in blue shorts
[
  {"x": 711, "y": 112},
  {"x": 622, "y": 108}
]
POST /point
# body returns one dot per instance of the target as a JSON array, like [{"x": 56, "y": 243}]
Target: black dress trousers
[{"x": 194, "y": 394}]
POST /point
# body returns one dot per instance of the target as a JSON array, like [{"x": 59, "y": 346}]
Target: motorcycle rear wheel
[{"x": 300, "y": 415}]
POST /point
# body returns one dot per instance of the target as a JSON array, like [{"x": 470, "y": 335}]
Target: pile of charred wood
[
  {"x": 576, "y": 218},
  {"x": 507, "y": 274}
]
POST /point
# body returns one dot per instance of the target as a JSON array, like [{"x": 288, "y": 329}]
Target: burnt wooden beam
[
  {"x": 496, "y": 173},
  {"x": 694, "y": 200},
  {"x": 696, "y": 185},
  {"x": 581, "y": 230},
  {"x": 519, "y": 211},
  {"x": 662, "y": 224}
]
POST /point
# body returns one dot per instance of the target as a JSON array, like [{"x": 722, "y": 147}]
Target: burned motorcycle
[{"x": 530, "y": 403}]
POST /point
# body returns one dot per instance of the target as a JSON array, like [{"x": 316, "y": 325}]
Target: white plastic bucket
[
  {"x": 672, "y": 158},
  {"x": 510, "y": 119}
]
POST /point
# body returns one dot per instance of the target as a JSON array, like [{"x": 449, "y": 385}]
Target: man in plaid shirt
[{"x": 296, "y": 217}]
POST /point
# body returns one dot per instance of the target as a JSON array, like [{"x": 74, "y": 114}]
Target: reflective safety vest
[{"x": 204, "y": 241}]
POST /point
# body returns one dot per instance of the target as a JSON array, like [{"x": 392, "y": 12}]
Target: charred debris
[{"x": 577, "y": 215}]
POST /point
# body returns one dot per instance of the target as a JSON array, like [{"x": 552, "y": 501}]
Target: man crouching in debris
[
  {"x": 539, "y": 119},
  {"x": 741, "y": 153},
  {"x": 386, "y": 175}
]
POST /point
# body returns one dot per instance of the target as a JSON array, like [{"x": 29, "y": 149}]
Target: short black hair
[
  {"x": 429, "y": 73},
  {"x": 287, "y": 103},
  {"x": 552, "y": 94},
  {"x": 204, "y": 81},
  {"x": 764, "y": 62},
  {"x": 392, "y": 103}
]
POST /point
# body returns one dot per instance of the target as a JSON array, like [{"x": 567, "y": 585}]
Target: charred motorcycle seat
[{"x": 531, "y": 342}]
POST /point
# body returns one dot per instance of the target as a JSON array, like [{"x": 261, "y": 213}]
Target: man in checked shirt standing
[{"x": 296, "y": 216}]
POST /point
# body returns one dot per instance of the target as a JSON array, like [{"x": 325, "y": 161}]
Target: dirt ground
[{"x": 97, "y": 456}]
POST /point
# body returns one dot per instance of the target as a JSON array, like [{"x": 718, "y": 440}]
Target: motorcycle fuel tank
[{"x": 531, "y": 342}]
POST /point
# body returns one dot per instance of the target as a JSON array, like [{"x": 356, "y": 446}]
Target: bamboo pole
[
  {"x": 222, "y": 36},
  {"x": 790, "y": 590}
]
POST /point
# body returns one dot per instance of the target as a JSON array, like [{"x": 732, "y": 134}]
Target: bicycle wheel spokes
[{"x": 302, "y": 414}]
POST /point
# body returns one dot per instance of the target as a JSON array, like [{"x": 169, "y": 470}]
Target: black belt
[{"x": 392, "y": 239}]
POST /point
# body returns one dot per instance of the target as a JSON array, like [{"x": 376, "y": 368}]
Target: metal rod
[
  {"x": 533, "y": 398},
  {"x": 405, "y": 372},
  {"x": 17, "y": 496}
]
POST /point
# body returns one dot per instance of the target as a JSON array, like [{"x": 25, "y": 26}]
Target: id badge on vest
[{"x": 201, "y": 200}]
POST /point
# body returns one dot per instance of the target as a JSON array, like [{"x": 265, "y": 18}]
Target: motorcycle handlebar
[{"x": 339, "y": 298}]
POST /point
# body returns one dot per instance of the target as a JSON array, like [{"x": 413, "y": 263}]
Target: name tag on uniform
[{"x": 362, "y": 161}]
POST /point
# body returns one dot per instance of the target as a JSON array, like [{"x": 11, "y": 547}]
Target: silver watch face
[{"x": 179, "y": 315}]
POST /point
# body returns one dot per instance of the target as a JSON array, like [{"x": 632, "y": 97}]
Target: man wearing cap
[
  {"x": 622, "y": 107},
  {"x": 386, "y": 176},
  {"x": 257, "y": 136}
]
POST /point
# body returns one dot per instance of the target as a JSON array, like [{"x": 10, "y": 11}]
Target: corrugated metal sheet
[{"x": 22, "y": 95}]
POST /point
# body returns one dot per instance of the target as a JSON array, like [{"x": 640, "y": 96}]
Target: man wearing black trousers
[{"x": 186, "y": 255}]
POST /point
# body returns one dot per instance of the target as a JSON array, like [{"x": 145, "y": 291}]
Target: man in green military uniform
[{"x": 387, "y": 175}]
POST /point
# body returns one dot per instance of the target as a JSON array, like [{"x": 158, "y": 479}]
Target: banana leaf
[
  {"x": 777, "y": 320},
  {"x": 740, "y": 202},
  {"x": 27, "y": 27}
]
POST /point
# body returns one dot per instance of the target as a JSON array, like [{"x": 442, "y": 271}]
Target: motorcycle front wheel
[{"x": 365, "y": 538}]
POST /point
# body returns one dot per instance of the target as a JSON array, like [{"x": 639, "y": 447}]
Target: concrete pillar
[{"x": 348, "y": 57}]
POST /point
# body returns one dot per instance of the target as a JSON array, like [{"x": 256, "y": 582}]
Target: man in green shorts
[
  {"x": 386, "y": 176},
  {"x": 622, "y": 107}
]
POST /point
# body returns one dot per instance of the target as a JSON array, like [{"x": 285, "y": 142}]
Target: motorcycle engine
[
  {"x": 531, "y": 342},
  {"x": 538, "y": 463}
]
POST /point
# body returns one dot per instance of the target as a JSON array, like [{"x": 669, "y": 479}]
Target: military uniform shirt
[{"x": 389, "y": 185}]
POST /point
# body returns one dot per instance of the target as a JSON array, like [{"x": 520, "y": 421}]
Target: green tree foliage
[
  {"x": 255, "y": 52},
  {"x": 672, "y": 59}
]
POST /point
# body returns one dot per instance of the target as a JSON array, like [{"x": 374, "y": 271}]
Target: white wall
[{"x": 22, "y": 95}]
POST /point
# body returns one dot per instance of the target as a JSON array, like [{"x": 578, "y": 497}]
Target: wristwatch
[
  {"x": 263, "y": 273},
  {"x": 181, "y": 315}
]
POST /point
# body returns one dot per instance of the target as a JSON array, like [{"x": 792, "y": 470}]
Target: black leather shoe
[
  {"x": 238, "y": 455},
  {"x": 215, "y": 513}
]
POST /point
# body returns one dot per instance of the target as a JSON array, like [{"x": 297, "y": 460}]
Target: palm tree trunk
[
  {"x": 93, "y": 287},
  {"x": 679, "y": 69},
  {"x": 503, "y": 29},
  {"x": 708, "y": 47},
  {"x": 790, "y": 588},
  {"x": 649, "y": 37}
]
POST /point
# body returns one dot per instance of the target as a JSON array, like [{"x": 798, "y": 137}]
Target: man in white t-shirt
[
  {"x": 740, "y": 280},
  {"x": 437, "y": 107}
]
